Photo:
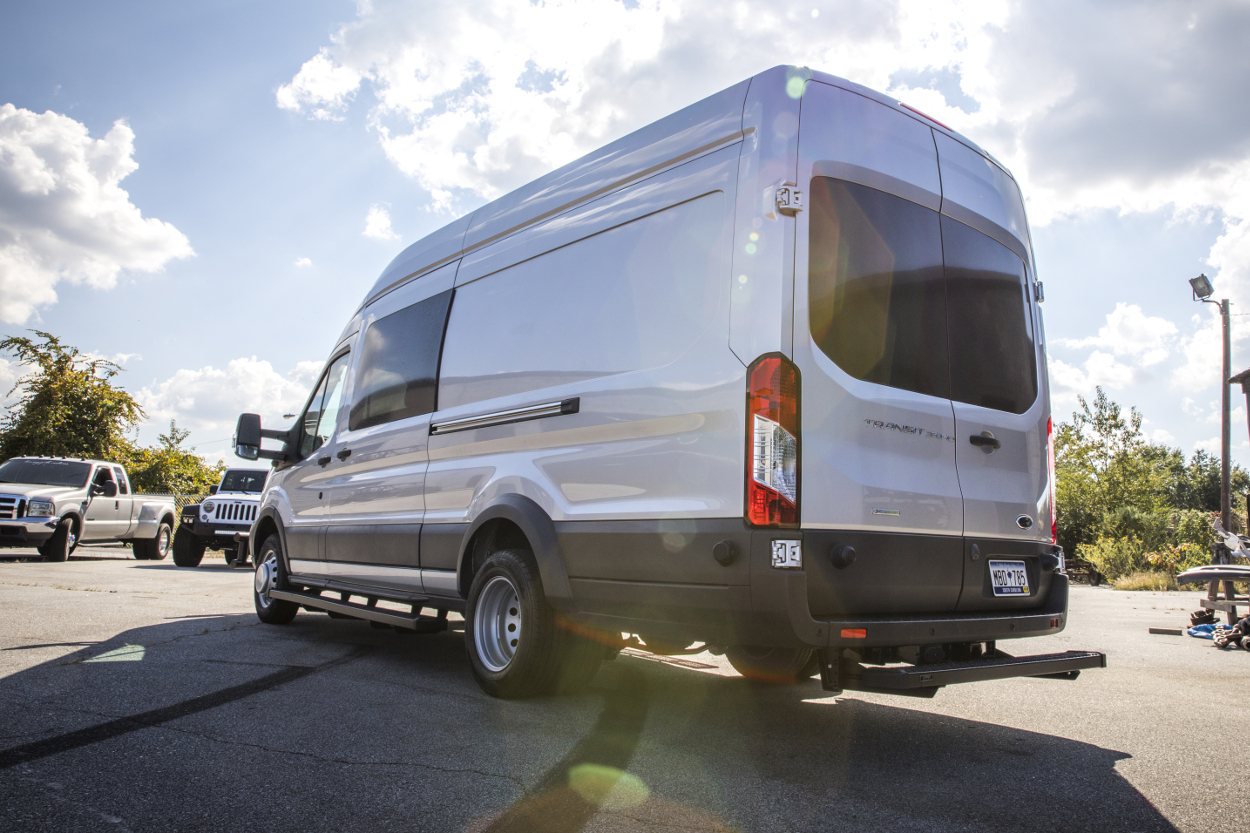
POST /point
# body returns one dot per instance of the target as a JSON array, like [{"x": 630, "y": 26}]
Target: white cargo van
[{"x": 766, "y": 376}]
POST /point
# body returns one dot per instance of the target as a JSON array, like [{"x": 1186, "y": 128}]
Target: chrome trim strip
[{"x": 547, "y": 409}]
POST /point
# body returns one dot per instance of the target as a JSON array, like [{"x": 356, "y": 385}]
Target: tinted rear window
[
  {"x": 877, "y": 300},
  {"x": 398, "y": 374},
  {"x": 46, "y": 472},
  {"x": 991, "y": 324},
  {"x": 243, "y": 480}
]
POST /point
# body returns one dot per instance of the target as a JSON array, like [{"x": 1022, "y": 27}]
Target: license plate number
[{"x": 1009, "y": 578}]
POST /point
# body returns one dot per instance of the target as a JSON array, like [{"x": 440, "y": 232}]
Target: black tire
[
  {"x": 62, "y": 542},
  {"x": 188, "y": 549},
  {"x": 510, "y": 629},
  {"x": 156, "y": 548},
  {"x": 782, "y": 666},
  {"x": 271, "y": 574}
]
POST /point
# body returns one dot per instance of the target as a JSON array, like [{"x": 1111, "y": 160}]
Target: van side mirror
[
  {"x": 247, "y": 437},
  {"x": 110, "y": 489},
  {"x": 212, "y": 490}
]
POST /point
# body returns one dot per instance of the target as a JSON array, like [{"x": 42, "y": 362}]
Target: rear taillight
[
  {"x": 772, "y": 442},
  {"x": 1050, "y": 469}
]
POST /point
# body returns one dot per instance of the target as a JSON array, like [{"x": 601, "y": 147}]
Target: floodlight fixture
[{"x": 1202, "y": 287}]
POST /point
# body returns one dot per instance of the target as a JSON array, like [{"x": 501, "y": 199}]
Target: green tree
[
  {"x": 68, "y": 407},
  {"x": 168, "y": 468}
]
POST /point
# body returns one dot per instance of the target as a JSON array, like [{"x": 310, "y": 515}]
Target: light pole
[{"x": 1202, "y": 292}]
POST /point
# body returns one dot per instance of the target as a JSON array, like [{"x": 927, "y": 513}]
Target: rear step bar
[
  {"x": 411, "y": 622},
  {"x": 925, "y": 680}
]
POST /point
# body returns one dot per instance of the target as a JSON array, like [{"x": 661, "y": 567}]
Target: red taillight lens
[
  {"x": 1050, "y": 468},
  {"x": 773, "y": 442}
]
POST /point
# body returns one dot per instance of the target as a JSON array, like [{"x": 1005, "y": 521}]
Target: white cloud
[
  {"x": 321, "y": 84},
  {"x": 1129, "y": 332},
  {"x": 209, "y": 400},
  {"x": 1162, "y": 436},
  {"x": 378, "y": 224},
  {"x": 63, "y": 214},
  {"x": 303, "y": 261}
]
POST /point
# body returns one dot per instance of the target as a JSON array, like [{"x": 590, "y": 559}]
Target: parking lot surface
[{"x": 138, "y": 696}]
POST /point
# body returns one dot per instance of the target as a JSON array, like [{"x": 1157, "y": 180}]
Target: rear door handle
[
  {"x": 984, "y": 440},
  {"x": 323, "y": 462},
  {"x": 344, "y": 454}
]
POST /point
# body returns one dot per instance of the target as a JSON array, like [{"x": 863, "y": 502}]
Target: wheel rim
[
  {"x": 266, "y": 574},
  {"x": 70, "y": 537},
  {"x": 497, "y": 623},
  {"x": 162, "y": 542}
]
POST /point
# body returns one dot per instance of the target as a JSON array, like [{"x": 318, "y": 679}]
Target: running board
[
  {"x": 420, "y": 624},
  {"x": 916, "y": 678}
]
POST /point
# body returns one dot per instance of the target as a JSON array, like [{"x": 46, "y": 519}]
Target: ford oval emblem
[{"x": 1024, "y": 522}]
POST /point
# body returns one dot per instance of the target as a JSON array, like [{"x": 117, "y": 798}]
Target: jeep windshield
[
  {"x": 244, "y": 481},
  {"x": 65, "y": 473}
]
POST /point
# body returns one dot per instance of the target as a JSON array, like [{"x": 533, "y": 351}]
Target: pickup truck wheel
[
  {"x": 772, "y": 665},
  {"x": 510, "y": 631},
  {"x": 188, "y": 549},
  {"x": 271, "y": 575},
  {"x": 154, "y": 549},
  {"x": 61, "y": 544}
]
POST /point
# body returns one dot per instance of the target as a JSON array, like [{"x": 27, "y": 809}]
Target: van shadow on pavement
[{"x": 223, "y": 724}]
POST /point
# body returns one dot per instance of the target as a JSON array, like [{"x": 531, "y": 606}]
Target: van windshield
[
  {"x": 902, "y": 296},
  {"x": 67, "y": 473}
]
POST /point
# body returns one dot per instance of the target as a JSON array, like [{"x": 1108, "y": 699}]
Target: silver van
[{"x": 765, "y": 377}]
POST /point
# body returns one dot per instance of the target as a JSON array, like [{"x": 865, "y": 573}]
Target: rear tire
[
  {"x": 509, "y": 630},
  {"x": 155, "y": 549},
  {"x": 62, "y": 542},
  {"x": 782, "y": 666},
  {"x": 271, "y": 575},
  {"x": 188, "y": 549}
]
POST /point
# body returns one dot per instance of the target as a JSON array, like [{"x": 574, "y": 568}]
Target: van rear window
[
  {"x": 398, "y": 373},
  {"x": 902, "y": 296},
  {"x": 876, "y": 296}
]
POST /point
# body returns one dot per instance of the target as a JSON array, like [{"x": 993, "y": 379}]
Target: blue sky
[{"x": 205, "y": 192}]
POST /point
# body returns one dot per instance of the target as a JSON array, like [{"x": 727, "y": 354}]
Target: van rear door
[{"x": 878, "y": 431}]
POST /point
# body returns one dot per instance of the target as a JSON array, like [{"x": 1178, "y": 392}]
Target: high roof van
[{"x": 765, "y": 377}]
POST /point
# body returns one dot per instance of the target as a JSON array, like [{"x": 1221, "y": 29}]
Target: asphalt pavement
[{"x": 138, "y": 696}]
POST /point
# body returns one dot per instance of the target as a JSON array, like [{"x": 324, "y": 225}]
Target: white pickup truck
[{"x": 57, "y": 503}]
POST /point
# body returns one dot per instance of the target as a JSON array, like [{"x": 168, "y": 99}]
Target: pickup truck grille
[
  {"x": 12, "y": 507},
  {"x": 235, "y": 512}
]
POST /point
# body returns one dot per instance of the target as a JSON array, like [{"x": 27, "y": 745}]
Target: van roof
[{"x": 703, "y": 126}]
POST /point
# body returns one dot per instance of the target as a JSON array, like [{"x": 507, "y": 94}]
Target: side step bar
[
  {"x": 412, "y": 622},
  {"x": 925, "y": 680}
]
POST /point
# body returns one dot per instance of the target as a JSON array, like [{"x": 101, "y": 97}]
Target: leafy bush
[
  {"x": 1115, "y": 557},
  {"x": 1178, "y": 559},
  {"x": 1146, "y": 580}
]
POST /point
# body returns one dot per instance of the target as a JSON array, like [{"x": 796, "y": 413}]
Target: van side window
[
  {"x": 323, "y": 409},
  {"x": 632, "y": 297},
  {"x": 993, "y": 357},
  {"x": 398, "y": 373},
  {"x": 877, "y": 299}
]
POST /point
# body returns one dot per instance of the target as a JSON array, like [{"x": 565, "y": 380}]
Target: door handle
[
  {"x": 323, "y": 462},
  {"x": 344, "y": 454},
  {"x": 985, "y": 440}
]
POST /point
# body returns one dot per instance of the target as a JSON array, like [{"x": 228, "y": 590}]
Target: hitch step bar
[
  {"x": 925, "y": 680},
  {"x": 412, "y": 622}
]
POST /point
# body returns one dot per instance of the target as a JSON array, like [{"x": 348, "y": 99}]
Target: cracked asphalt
[{"x": 137, "y": 696}]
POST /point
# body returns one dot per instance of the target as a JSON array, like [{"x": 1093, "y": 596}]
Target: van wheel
[
  {"x": 61, "y": 544},
  {"x": 271, "y": 575},
  {"x": 773, "y": 665},
  {"x": 510, "y": 631},
  {"x": 155, "y": 549},
  {"x": 188, "y": 549}
]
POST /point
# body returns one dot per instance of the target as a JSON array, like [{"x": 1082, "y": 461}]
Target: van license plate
[{"x": 1009, "y": 578}]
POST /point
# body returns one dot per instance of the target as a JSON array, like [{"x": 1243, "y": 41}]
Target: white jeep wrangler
[{"x": 214, "y": 524}]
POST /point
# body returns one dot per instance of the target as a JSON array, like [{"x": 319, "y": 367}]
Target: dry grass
[{"x": 1145, "y": 581}]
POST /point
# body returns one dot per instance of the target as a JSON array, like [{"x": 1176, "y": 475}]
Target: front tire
[
  {"x": 155, "y": 549},
  {"x": 62, "y": 542},
  {"x": 188, "y": 549},
  {"x": 271, "y": 575},
  {"x": 783, "y": 666}
]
